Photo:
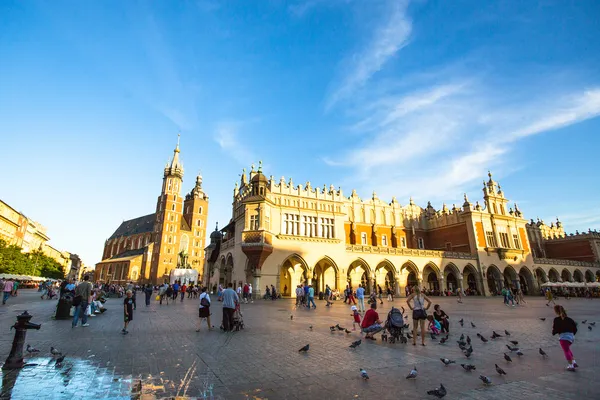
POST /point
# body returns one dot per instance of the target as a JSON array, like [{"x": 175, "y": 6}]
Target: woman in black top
[
  {"x": 566, "y": 328},
  {"x": 442, "y": 318}
]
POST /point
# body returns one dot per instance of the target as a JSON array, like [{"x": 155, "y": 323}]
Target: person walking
[
  {"x": 566, "y": 328},
  {"x": 390, "y": 294},
  {"x": 360, "y": 295},
  {"x": 230, "y": 301},
  {"x": 299, "y": 295},
  {"x": 175, "y": 292},
  {"x": 250, "y": 293},
  {"x": 351, "y": 295},
  {"x": 245, "y": 292},
  {"x": 7, "y": 290},
  {"x": 182, "y": 294},
  {"x": 204, "y": 310},
  {"x": 311, "y": 297},
  {"x": 380, "y": 294},
  {"x": 148, "y": 292},
  {"x": 328, "y": 296},
  {"x": 416, "y": 302},
  {"x": 83, "y": 296},
  {"x": 128, "y": 311}
]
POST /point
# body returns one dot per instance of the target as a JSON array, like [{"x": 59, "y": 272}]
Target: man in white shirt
[{"x": 250, "y": 293}]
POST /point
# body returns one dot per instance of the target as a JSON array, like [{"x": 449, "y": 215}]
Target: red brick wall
[
  {"x": 348, "y": 232},
  {"x": 456, "y": 235},
  {"x": 571, "y": 249}
]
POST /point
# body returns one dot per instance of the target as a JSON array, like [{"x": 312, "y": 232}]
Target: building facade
[
  {"x": 146, "y": 249},
  {"x": 284, "y": 234}
]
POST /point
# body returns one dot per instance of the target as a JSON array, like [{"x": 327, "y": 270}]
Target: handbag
[
  {"x": 77, "y": 300},
  {"x": 204, "y": 302},
  {"x": 157, "y": 298}
]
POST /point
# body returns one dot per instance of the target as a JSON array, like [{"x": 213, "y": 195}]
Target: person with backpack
[{"x": 204, "y": 309}]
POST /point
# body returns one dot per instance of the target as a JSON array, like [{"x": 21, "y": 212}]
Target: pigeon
[
  {"x": 519, "y": 353},
  {"x": 543, "y": 353},
  {"x": 291, "y": 317},
  {"x": 304, "y": 349},
  {"x": 468, "y": 340},
  {"x": 355, "y": 344},
  {"x": 507, "y": 357},
  {"x": 54, "y": 351},
  {"x": 60, "y": 359},
  {"x": 438, "y": 392},
  {"x": 485, "y": 379},
  {"x": 384, "y": 336},
  {"x": 364, "y": 374},
  {"x": 484, "y": 340},
  {"x": 347, "y": 331},
  {"x": 461, "y": 343},
  {"x": 443, "y": 340},
  {"x": 584, "y": 321},
  {"x": 332, "y": 329},
  {"x": 461, "y": 322},
  {"x": 462, "y": 338},
  {"x": 468, "y": 352},
  {"x": 499, "y": 370},
  {"x": 542, "y": 319},
  {"x": 310, "y": 327},
  {"x": 447, "y": 362},
  {"x": 495, "y": 335},
  {"x": 32, "y": 349},
  {"x": 433, "y": 337},
  {"x": 513, "y": 349},
  {"x": 593, "y": 323},
  {"x": 514, "y": 342},
  {"x": 473, "y": 325},
  {"x": 507, "y": 333},
  {"x": 412, "y": 374},
  {"x": 478, "y": 334},
  {"x": 339, "y": 328},
  {"x": 468, "y": 367},
  {"x": 589, "y": 327}
]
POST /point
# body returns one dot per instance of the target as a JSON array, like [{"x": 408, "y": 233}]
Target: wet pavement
[{"x": 163, "y": 357}]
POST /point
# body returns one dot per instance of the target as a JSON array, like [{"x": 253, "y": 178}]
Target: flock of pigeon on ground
[
  {"x": 54, "y": 351},
  {"x": 463, "y": 342}
]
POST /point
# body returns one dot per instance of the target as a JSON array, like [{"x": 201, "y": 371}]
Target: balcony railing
[
  {"x": 573, "y": 263},
  {"x": 253, "y": 238},
  {"x": 401, "y": 251}
]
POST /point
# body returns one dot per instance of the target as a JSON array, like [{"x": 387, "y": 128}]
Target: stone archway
[
  {"x": 471, "y": 280},
  {"x": 293, "y": 272},
  {"x": 385, "y": 275},
  {"x": 540, "y": 276},
  {"x": 589, "y": 276},
  {"x": 511, "y": 280},
  {"x": 325, "y": 273},
  {"x": 431, "y": 277},
  {"x": 526, "y": 281},
  {"x": 578, "y": 276},
  {"x": 495, "y": 280},
  {"x": 566, "y": 276},
  {"x": 409, "y": 277},
  {"x": 359, "y": 272},
  {"x": 451, "y": 277},
  {"x": 553, "y": 275}
]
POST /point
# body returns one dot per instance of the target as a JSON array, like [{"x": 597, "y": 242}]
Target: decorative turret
[
  {"x": 175, "y": 168},
  {"x": 197, "y": 192}
]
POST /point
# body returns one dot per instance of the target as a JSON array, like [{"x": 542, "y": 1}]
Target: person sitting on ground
[
  {"x": 434, "y": 325},
  {"x": 442, "y": 318},
  {"x": 371, "y": 324}
]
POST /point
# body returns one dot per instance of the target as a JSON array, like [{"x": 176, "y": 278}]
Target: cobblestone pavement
[{"x": 163, "y": 356}]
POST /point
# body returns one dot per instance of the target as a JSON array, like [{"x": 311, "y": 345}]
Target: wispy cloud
[
  {"x": 227, "y": 136},
  {"x": 388, "y": 39}
]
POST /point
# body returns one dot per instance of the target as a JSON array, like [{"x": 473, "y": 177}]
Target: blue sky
[{"x": 407, "y": 98}]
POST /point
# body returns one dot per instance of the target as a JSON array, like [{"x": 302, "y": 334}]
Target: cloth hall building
[
  {"x": 148, "y": 248},
  {"x": 284, "y": 234}
]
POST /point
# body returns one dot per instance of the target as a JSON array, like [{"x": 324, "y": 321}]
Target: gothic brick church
[{"x": 146, "y": 249}]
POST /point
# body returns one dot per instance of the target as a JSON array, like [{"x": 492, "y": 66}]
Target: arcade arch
[
  {"x": 359, "y": 272},
  {"x": 430, "y": 277},
  {"x": 511, "y": 280},
  {"x": 451, "y": 277},
  {"x": 589, "y": 276},
  {"x": 470, "y": 279},
  {"x": 526, "y": 281},
  {"x": 553, "y": 275},
  {"x": 411, "y": 272},
  {"x": 385, "y": 275},
  {"x": 293, "y": 272},
  {"x": 495, "y": 280},
  {"x": 578, "y": 276},
  {"x": 325, "y": 273},
  {"x": 566, "y": 275}
]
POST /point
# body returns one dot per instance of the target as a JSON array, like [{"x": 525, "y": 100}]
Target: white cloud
[
  {"x": 387, "y": 40},
  {"x": 227, "y": 137}
]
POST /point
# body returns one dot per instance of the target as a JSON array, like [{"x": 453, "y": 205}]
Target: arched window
[
  {"x": 173, "y": 207},
  {"x": 495, "y": 209},
  {"x": 174, "y": 197},
  {"x": 200, "y": 210}
]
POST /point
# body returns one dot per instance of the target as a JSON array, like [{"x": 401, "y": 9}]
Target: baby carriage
[
  {"x": 238, "y": 318},
  {"x": 395, "y": 326}
]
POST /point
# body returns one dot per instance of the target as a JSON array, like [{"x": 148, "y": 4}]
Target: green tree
[{"x": 36, "y": 263}]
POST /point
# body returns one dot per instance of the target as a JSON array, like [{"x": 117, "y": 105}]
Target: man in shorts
[{"x": 371, "y": 324}]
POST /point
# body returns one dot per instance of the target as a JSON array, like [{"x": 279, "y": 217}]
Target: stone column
[{"x": 256, "y": 289}]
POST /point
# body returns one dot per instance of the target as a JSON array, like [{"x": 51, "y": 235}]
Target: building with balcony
[{"x": 284, "y": 234}]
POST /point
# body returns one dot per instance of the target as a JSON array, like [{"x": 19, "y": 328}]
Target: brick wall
[
  {"x": 570, "y": 249},
  {"x": 451, "y": 238}
]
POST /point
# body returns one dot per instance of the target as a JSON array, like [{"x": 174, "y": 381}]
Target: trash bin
[
  {"x": 321, "y": 296},
  {"x": 63, "y": 308}
]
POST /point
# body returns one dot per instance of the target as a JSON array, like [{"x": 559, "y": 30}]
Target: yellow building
[
  {"x": 146, "y": 249},
  {"x": 12, "y": 228},
  {"x": 284, "y": 234}
]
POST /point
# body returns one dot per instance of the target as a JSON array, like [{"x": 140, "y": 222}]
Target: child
[
  {"x": 128, "y": 310},
  {"x": 566, "y": 328},
  {"x": 356, "y": 316},
  {"x": 434, "y": 325}
]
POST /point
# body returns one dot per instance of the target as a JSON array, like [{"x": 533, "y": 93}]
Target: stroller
[
  {"x": 395, "y": 326},
  {"x": 238, "y": 319}
]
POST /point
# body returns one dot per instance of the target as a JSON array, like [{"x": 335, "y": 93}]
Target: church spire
[{"x": 175, "y": 168}]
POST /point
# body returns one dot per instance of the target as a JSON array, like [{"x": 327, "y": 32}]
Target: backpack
[{"x": 204, "y": 302}]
